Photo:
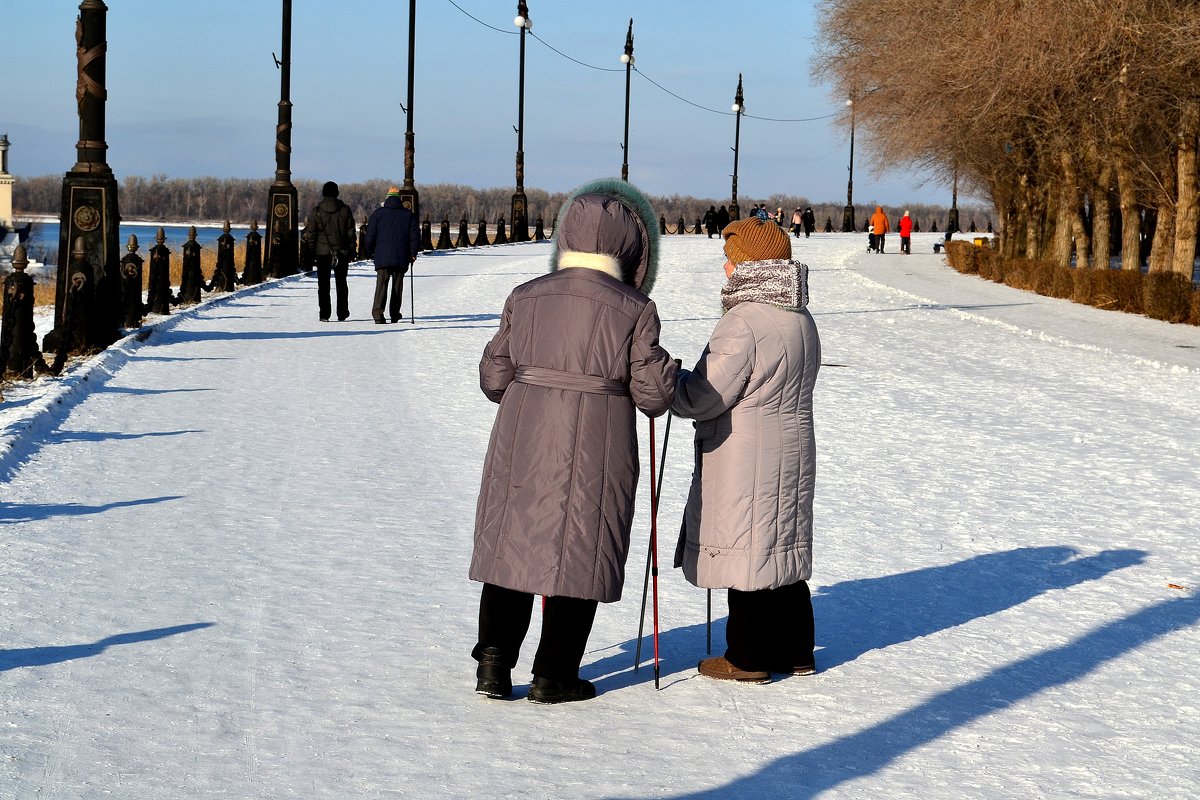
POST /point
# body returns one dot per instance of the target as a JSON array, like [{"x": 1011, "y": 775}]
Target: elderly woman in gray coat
[
  {"x": 576, "y": 353},
  {"x": 748, "y": 521}
]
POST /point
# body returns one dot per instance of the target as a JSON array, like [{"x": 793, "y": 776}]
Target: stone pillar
[{"x": 89, "y": 197}]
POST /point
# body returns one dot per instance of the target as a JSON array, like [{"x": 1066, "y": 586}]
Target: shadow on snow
[
  {"x": 13, "y": 513},
  {"x": 42, "y": 656}
]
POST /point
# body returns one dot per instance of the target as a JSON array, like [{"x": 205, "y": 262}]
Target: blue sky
[{"x": 193, "y": 91}]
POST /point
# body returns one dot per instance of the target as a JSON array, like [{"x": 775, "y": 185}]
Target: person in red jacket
[{"x": 905, "y": 228}]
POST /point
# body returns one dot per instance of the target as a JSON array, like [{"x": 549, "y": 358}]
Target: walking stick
[
  {"x": 652, "y": 553},
  {"x": 708, "y": 625},
  {"x": 412, "y": 288}
]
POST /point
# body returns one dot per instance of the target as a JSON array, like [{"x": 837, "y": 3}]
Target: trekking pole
[
  {"x": 652, "y": 554},
  {"x": 708, "y": 625},
  {"x": 412, "y": 288}
]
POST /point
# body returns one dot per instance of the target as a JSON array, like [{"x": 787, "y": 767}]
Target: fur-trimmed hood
[{"x": 608, "y": 225}]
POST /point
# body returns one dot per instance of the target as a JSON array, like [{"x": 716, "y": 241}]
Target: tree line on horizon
[
  {"x": 1078, "y": 120},
  {"x": 239, "y": 200}
]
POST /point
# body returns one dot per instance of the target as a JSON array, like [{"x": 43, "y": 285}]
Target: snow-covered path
[{"x": 234, "y": 558}]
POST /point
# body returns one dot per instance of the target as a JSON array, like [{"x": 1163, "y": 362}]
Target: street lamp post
[
  {"x": 952, "y": 223},
  {"x": 408, "y": 192},
  {"x": 627, "y": 60},
  {"x": 520, "y": 224},
  {"x": 739, "y": 107},
  {"x": 282, "y": 246},
  {"x": 848, "y": 211}
]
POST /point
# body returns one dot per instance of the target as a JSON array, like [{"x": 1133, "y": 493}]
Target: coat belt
[{"x": 572, "y": 381}]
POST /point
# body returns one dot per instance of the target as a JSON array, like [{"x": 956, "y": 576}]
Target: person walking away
[
  {"x": 747, "y": 525},
  {"x": 905, "y": 227},
  {"x": 722, "y": 218},
  {"x": 879, "y": 227},
  {"x": 810, "y": 222},
  {"x": 393, "y": 241},
  {"x": 797, "y": 222},
  {"x": 576, "y": 355},
  {"x": 329, "y": 233},
  {"x": 710, "y": 221}
]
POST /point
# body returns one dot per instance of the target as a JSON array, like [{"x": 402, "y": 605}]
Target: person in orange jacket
[{"x": 879, "y": 227}]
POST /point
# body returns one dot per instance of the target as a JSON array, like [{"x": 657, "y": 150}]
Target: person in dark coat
[
  {"x": 393, "y": 241},
  {"x": 576, "y": 356},
  {"x": 722, "y": 218},
  {"x": 329, "y": 233},
  {"x": 810, "y": 222},
  {"x": 710, "y": 221}
]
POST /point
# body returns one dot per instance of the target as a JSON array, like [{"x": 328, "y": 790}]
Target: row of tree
[
  {"x": 1074, "y": 117},
  {"x": 241, "y": 199}
]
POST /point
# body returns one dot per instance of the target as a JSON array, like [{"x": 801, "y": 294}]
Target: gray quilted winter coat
[
  {"x": 748, "y": 520},
  {"x": 576, "y": 353}
]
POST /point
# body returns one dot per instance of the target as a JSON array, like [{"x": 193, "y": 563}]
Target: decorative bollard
[
  {"x": 699, "y": 225},
  {"x": 192, "y": 281},
  {"x": 828, "y": 225},
  {"x": 916, "y": 226},
  {"x": 539, "y": 232},
  {"x": 972, "y": 228},
  {"x": 662, "y": 224},
  {"x": 464, "y": 236},
  {"x": 78, "y": 331},
  {"x": 225, "y": 275},
  {"x": 501, "y": 236},
  {"x": 158, "y": 293},
  {"x": 682, "y": 228},
  {"x": 933, "y": 227},
  {"x": 252, "y": 274},
  {"x": 131, "y": 286},
  {"x": 362, "y": 239},
  {"x": 481, "y": 238},
  {"x": 426, "y": 236},
  {"x": 19, "y": 353},
  {"x": 989, "y": 227},
  {"x": 443, "y": 242}
]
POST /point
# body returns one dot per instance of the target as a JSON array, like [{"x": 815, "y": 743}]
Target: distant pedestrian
[
  {"x": 810, "y": 222},
  {"x": 393, "y": 240},
  {"x": 710, "y": 222},
  {"x": 330, "y": 235},
  {"x": 905, "y": 228},
  {"x": 576, "y": 356},
  {"x": 761, "y": 212},
  {"x": 747, "y": 525},
  {"x": 879, "y": 227},
  {"x": 722, "y": 218},
  {"x": 797, "y": 222}
]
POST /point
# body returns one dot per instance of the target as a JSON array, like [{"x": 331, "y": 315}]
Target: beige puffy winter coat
[{"x": 748, "y": 520}]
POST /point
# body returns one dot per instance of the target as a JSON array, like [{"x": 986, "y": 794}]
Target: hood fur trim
[{"x": 597, "y": 261}]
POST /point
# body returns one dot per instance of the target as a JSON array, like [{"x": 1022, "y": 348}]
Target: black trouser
[
  {"x": 504, "y": 616},
  {"x": 906, "y": 244},
  {"x": 339, "y": 265},
  {"x": 770, "y": 629},
  {"x": 393, "y": 299}
]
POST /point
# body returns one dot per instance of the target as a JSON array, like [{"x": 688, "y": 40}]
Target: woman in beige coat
[
  {"x": 575, "y": 358},
  {"x": 748, "y": 522}
]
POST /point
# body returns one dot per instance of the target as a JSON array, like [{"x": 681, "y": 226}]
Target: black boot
[
  {"x": 494, "y": 677},
  {"x": 547, "y": 691}
]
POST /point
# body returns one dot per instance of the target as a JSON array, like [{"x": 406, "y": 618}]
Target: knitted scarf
[{"x": 780, "y": 282}]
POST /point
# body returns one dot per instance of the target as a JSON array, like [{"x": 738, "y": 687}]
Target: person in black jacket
[
  {"x": 393, "y": 241},
  {"x": 329, "y": 231}
]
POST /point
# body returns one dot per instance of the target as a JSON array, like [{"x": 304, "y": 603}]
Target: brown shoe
[{"x": 717, "y": 667}]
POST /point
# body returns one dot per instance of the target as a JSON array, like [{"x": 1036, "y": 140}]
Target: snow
[{"x": 235, "y": 557}]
